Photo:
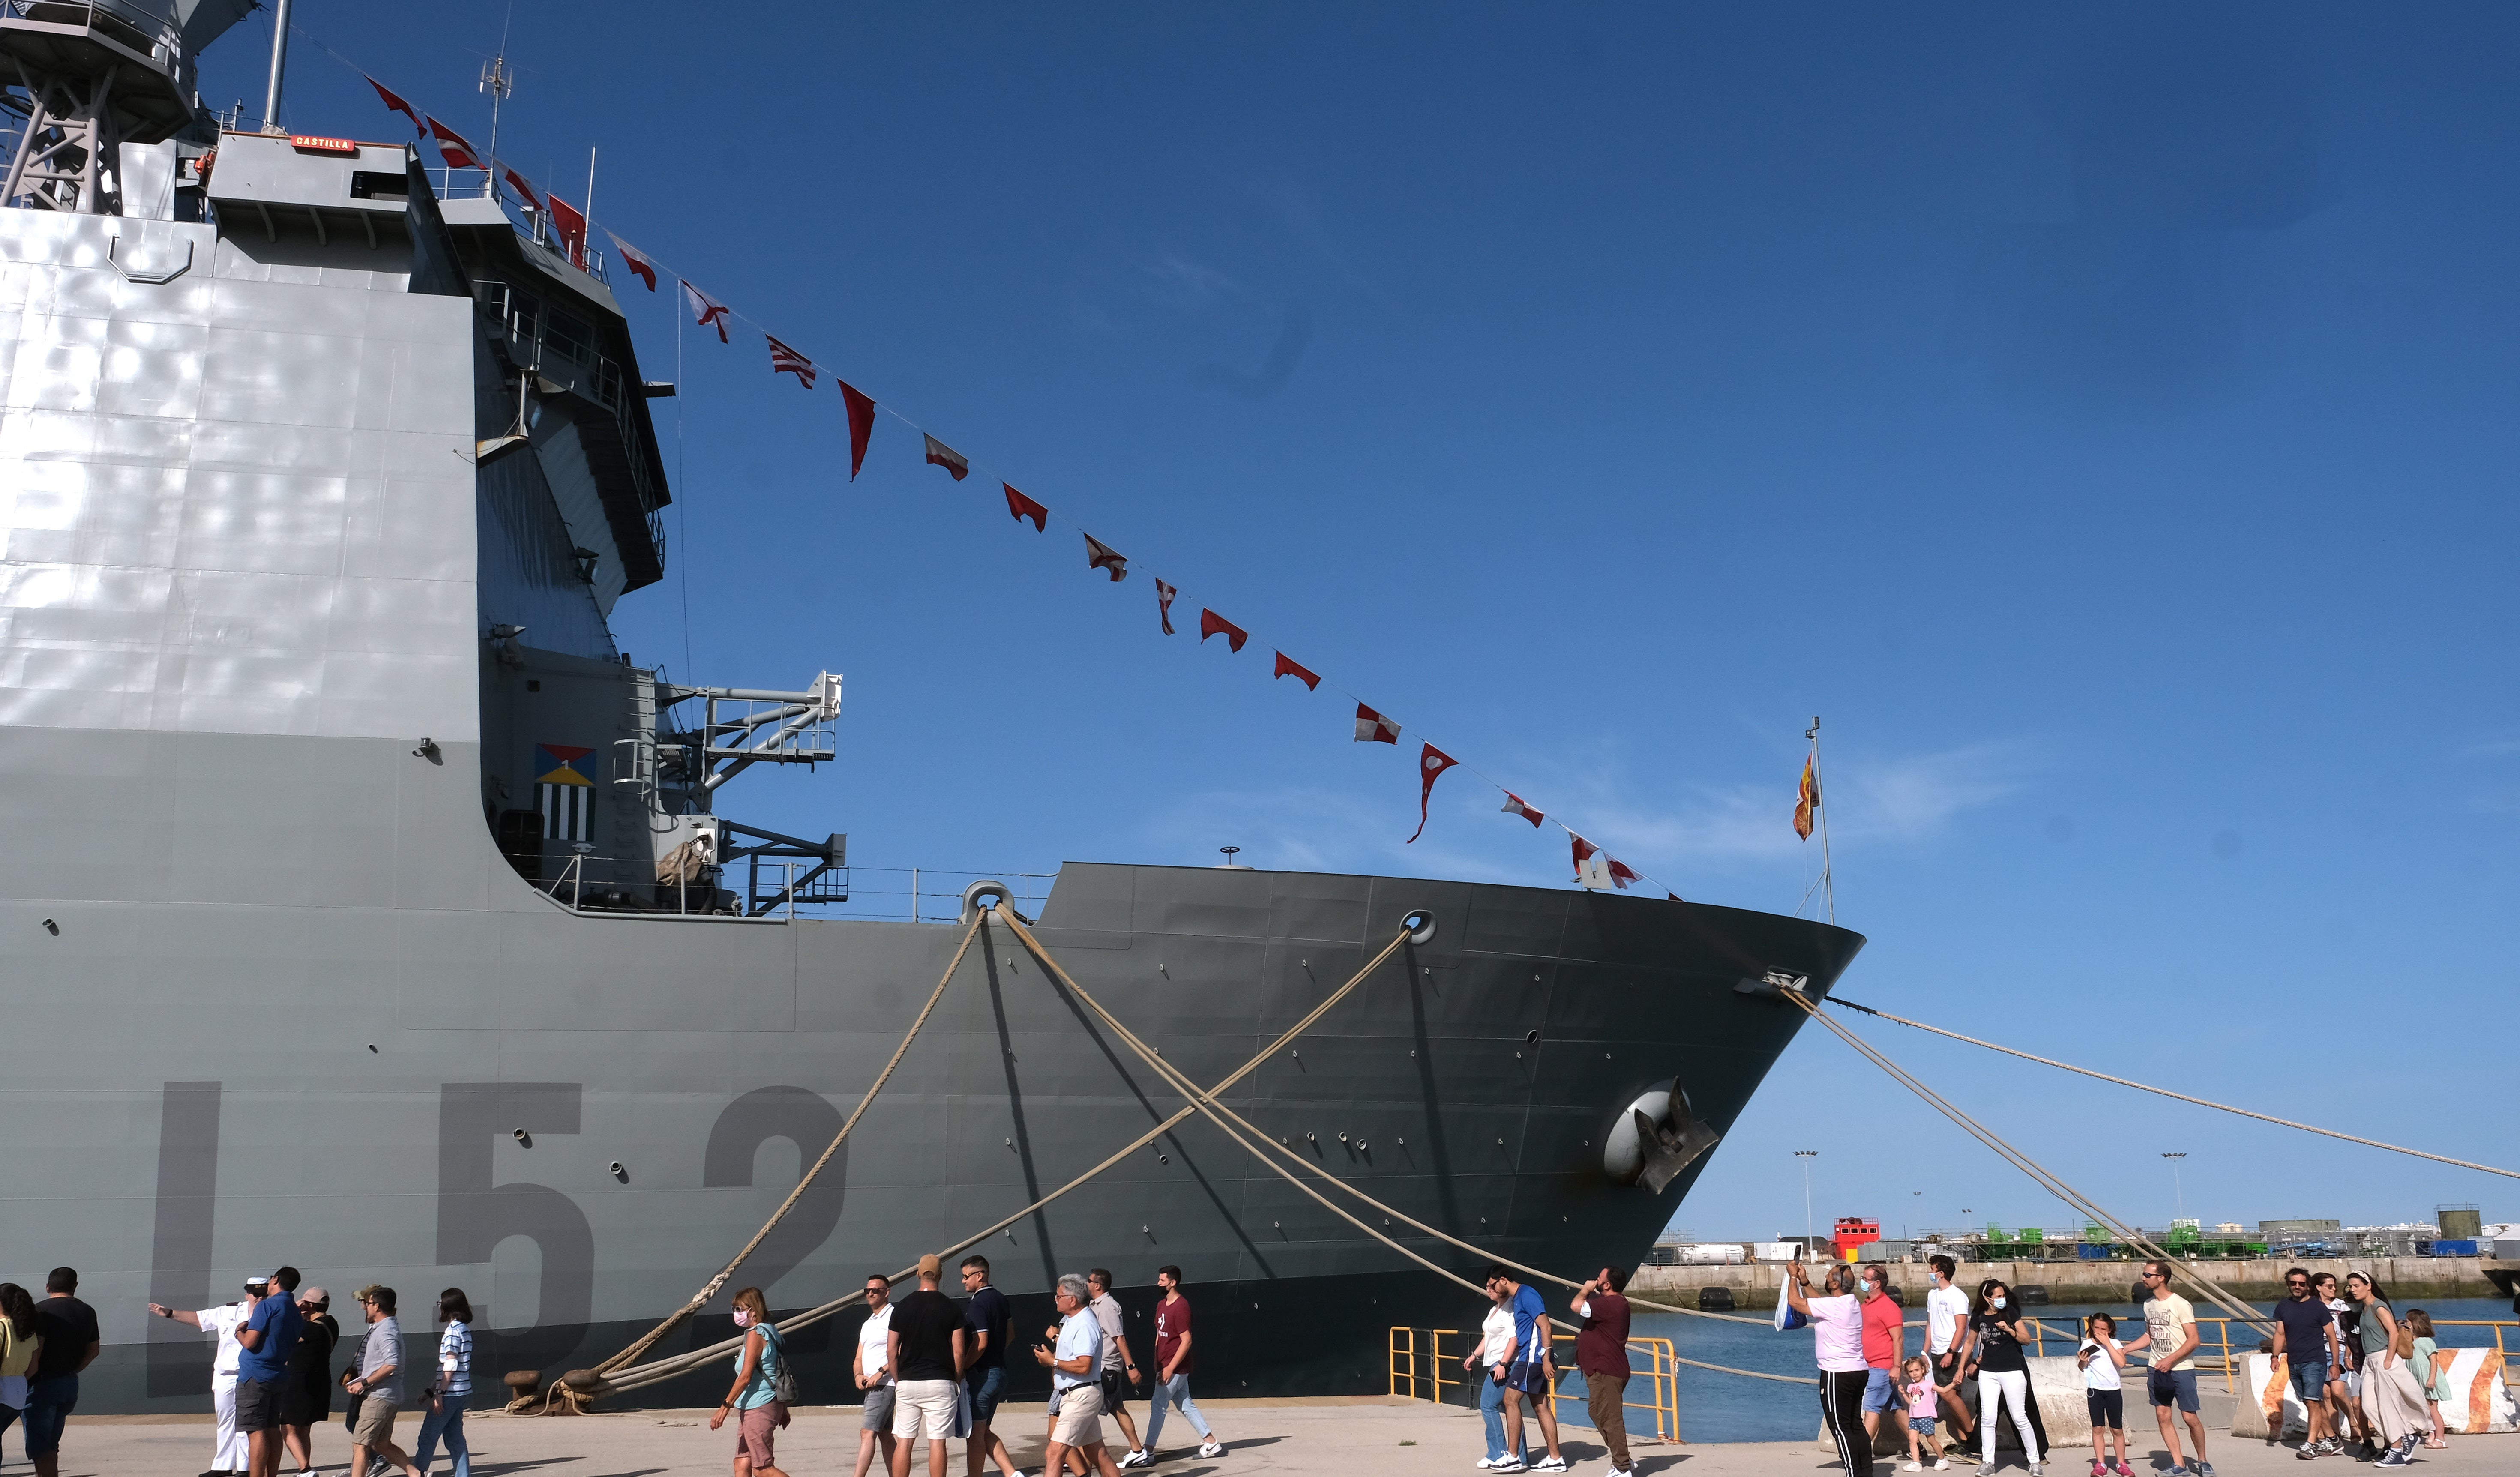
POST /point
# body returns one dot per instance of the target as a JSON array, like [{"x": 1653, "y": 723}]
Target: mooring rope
[
  {"x": 2222, "y": 1297},
  {"x": 1218, "y": 1114},
  {"x": 700, "y": 1298},
  {"x": 667, "y": 1369},
  {"x": 2141, "y": 1087}
]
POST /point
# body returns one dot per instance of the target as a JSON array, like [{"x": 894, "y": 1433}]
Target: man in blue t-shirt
[
  {"x": 985, "y": 1321},
  {"x": 1532, "y": 1373},
  {"x": 268, "y": 1338}
]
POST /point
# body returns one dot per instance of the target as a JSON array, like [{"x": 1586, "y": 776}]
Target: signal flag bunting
[
  {"x": 1164, "y": 603},
  {"x": 451, "y": 147},
  {"x": 708, "y": 311},
  {"x": 1430, "y": 767},
  {"x": 398, "y": 105},
  {"x": 1373, "y": 728},
  {"x": 787, "y": 361},
  {"x": 636, "y": 260},
  {"x": 1287, "y": 666},
  {"x": 1212, "y": 624},
  {"x": 1021, "y": 508},
  {"x": 1101, "y": 556},
  {"x": 957, "y": 465},
  {"x": 860, "y": 423},
  {"x": 1514, "y": 806}
]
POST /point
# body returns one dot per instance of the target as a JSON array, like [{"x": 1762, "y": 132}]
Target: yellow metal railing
[{"x": 1653, "y": 1357}]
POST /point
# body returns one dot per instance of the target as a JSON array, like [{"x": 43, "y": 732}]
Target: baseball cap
[
  {"x": 315, "y": 1295},
  {"x": 932, "y": 1264}
]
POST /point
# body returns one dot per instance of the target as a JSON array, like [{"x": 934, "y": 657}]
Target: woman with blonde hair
[
  {"x": 18, "y": 1345},
  {"x": 754, "y": 1401}
]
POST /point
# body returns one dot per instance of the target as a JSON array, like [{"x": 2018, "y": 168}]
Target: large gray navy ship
[{"x": 366, "y": 908}]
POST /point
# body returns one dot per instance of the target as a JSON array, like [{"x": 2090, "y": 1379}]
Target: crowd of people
[
  {"x": 933, "y": 1371},
  {"x": 2354, "y": 1363}
]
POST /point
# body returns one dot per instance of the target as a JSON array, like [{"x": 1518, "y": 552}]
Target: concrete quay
[
  {"x": 1316, "y": 1438},
  {"x": 1754, "y": 1284}
]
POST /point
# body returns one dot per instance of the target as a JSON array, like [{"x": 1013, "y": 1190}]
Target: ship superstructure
[{"x": 372, "y": 912}]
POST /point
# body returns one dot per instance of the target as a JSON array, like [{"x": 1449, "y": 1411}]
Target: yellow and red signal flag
[{"x": 1807, "y": 801}]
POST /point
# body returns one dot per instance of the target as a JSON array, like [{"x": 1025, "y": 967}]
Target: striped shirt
[{"x": 455, "y": 1362}]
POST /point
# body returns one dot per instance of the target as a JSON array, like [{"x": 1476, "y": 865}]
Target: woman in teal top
[
  {"x": 2391, "y": 1395},
  {"x": 755, "y": 1396}
]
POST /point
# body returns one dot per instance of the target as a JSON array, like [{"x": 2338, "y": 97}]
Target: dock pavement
[{"x": 1367, "y": 1436}]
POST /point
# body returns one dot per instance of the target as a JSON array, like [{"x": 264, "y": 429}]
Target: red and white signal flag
[
  {"x": 1514, "y": 805},
  {"x": 1582, "y": 853},
  {"x": 787, "y": 361},
  {"x": 1164, "y": 603},
  {"x": 1287, "y": 666},
  {"x": 1373, "y": 728},
  {"x": 956, "y": 464},
  {"x": 710, "y": 313},
  {"x": 1021, "y": 508},
  {"x": 636, "y": 260},
  {"x": 451, "y": 147},
  {"x": 398, "y": 105},
  {"x": 520, "y": 184},
  {"x": 861, "y": 419},
  {"x": 1621, "y": 873},
  {"x": 1212, "y": 624},
  {"x": 1430, "y": 767},
  {"x": 1101, "y": 556}
]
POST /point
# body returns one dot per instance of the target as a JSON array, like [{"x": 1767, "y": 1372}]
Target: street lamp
[
  {"x": 1807, "y": 1156},
  {"x": 2176, "y": 1189}
]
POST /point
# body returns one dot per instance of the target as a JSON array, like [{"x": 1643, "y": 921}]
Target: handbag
[{"x": 1787, "y": 1316}]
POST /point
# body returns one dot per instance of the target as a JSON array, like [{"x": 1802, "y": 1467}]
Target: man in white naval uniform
[{"x": 232, "y": 1455}]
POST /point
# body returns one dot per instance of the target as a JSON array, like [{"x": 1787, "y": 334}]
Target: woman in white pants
[{"x": 2003, "y": 1373}]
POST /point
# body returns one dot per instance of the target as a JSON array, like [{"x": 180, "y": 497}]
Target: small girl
[
  {"x": 2435, "y": 1382},
  {"x": 1916, "y": 1383},
  {"x": 2100, "y": 1359}
]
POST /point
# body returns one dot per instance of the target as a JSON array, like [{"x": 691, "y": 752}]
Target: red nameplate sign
[{"x": 322, "y": 145}]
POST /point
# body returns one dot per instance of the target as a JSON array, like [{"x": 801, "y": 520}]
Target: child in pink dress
[{"x": 1916, "y": 1385}]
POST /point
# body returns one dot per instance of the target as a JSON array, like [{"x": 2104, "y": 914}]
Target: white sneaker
[
  {"x": 1912, "y": 1466},
  {"x": 1506, "y": 1465},
  {"x": 1942, "y": 1464},
  {"x": 1486, "y": 1462},
  {"x": 1214, "y": 1448},
  {"x": 1140, "y": 1457},
  {"x": 1550, "y": 1465}
]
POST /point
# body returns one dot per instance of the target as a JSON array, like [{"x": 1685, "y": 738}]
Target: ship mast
[
  {"x": 279, "y": 64},
  {"x": 1820, "y": 782}
]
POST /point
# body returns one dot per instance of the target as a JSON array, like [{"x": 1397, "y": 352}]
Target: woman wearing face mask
[
  {"x": 755, "y": 1400},
  {"x": 2003, "y": 1375}
]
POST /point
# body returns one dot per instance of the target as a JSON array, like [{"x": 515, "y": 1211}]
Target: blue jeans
[
  {"x": 450, "y": 1427},
  {"x": 1491, "y": 1416},
  {"x": 1173, "y": 1392},
  {"x": 49, "y": 1403}
]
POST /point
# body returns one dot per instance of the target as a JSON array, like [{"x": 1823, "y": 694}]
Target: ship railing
[
  {"x": 2217, "y": 1351},
  {"x": 1420, "y": 1368},
  {"x": 772, "y": 886},
  {"x": 132, "y": 28}
]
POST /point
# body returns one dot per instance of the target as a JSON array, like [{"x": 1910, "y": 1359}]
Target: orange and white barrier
[{"x": 2482, "y": 1402}]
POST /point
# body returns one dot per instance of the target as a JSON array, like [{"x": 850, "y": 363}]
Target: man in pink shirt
[{"x": 1885, "y": 1341}]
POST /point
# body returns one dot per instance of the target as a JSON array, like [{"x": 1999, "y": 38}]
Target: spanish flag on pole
[{"x": 1808, "y": 801}]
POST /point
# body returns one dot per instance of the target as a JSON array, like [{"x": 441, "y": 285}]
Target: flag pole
[{"x": 1820, "y": 782}]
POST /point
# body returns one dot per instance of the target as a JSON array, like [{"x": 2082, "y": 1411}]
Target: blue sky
[{"x": 2102, "y": 418}]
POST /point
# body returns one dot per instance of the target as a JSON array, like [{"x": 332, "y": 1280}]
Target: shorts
[
  {"x": 879, "y": 1410},
  {"x": 1080, "y": 1416},
  {"x": 2310, "y": 1379},
  {"x": 1879, "y": 1393},
  {"x": 1115, "y": 1391},
  {"x": 924, "y": 1408},
  {"x": 1922, "y": 1425},
  {"x": 2107, "y": 1407},
  {"x": 2173, "y": 1385},
  {"x": 2353, "y": 1383},
  {"x": 755, "y": 1429},
  {"x": 986, "y": 1387},
  {"x": 1530, "y": 1376},
  {"x": 49, "y": 1403},
  {"x": 376, "y": 1423},
  {"x": 258, "y": 1405}
]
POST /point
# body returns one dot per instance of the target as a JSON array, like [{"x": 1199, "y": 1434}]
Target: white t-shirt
[
  {"x": 872, "y": 1341},
  {"x": 223, "y": 1324},
  {"x": 1946, "y": 1309},
  {"x": 1080, "y": 1334},
  {"x": 2101, "y": 1374},
  {"x": 1837, "y": 1332},
  {"x": 1496, "y": 1338}
]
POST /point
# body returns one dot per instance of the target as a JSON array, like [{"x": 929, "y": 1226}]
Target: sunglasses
[{"x": 877, "y": 1292}]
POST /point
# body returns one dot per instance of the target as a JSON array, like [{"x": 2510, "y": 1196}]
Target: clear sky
[{"x": 2102, "y": 415}]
